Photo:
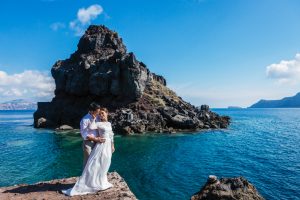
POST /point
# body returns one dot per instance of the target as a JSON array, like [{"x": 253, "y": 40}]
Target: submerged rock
[
  {"x": 102, "y": 71},
  {"x": 64, "y": 128},
  {"x": 227, "y": 189},
  {"x": 52, "y": 190}
]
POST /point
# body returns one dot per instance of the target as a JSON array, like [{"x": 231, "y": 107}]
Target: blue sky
[{"x": 217, "y": 52}]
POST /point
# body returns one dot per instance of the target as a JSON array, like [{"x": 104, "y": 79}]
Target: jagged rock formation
[
  {"x": 101, "y": 70},
  {"x": 227, "y": 189},
  {"x": 52, "y": 190}
]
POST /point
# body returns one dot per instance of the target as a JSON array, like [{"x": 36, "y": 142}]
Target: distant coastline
[
  {"x": 18, "y": 104},
  {"x": 287, "y": 102}
]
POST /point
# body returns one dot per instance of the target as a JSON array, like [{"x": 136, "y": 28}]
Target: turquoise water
[{"x": 261, "y": 145}]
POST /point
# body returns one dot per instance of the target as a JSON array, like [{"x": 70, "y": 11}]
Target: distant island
[
  {"x": 234, "y": 107},
  {"x": 18, "y": 104},
  {"x": 287, "y": 102}
]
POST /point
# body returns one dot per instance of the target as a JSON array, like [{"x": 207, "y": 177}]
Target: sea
[{"x": 262, "y": 145}]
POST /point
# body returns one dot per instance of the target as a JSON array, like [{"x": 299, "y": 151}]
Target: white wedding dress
[{"x": 94, "y": 175}]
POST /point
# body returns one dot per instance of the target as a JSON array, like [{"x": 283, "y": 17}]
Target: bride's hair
[{"x": 104, "y": 109}]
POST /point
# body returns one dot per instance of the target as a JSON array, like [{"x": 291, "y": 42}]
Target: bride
[{"x": 94, "y": 175}]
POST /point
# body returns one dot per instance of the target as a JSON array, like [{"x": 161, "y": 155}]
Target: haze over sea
[{"x": 260, "y": 144}]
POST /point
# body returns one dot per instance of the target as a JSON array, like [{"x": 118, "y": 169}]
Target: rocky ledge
[
  {"x": 102, "y": 71},
  {"x": 227, "y": 189},
  {"x": 50, "y": 190}
]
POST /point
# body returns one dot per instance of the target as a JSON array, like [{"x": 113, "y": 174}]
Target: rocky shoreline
[
  {"x": 50, "y": 190},
  {"x": 214, "y": 189},
  {"x": 139, "y": 101}
]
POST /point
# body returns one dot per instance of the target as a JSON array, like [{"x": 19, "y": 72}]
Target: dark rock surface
[
  {"x": 139, "y": 101},
  {"x": 227, "y": 189}
]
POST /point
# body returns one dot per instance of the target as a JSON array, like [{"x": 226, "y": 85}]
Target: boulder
[
  {"x": 44, "y": 123},
  {"x": 227, "y": 189},
  {"x": 204, "y": 108},
  {"x": 65, "y": 127}
]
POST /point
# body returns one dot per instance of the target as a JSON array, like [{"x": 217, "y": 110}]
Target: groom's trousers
[{"x": 87, "y": 147}]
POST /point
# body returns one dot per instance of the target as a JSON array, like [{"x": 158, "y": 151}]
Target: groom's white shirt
[{"x": 85, "y": 123}]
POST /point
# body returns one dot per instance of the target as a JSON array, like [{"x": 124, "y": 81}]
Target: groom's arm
[{"x": 84, "y": 128}]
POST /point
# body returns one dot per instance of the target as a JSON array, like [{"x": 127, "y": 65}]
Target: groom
[{"x": 88, "y": 132}]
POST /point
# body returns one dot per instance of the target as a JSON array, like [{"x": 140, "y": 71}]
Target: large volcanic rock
[
  {"x": 227, "y": 189},
  {"x": 101, "y": 70}
]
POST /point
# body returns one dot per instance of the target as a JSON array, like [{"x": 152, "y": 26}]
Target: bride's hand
[
  {"x": 101, "y": 140},
  {"x": 113, "y": 149}
]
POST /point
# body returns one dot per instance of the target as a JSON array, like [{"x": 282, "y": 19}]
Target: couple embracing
[{"x": 98, "y": 146}]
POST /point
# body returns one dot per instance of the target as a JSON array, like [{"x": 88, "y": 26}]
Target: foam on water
[{"x": 18, "y": 143}]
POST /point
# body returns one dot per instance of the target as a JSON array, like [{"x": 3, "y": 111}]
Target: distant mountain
[
  {"x": 287, "y": 102},
  {"x": 18, "y": 104}
]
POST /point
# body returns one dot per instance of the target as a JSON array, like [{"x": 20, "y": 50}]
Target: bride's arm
[
  {"x": 96, "y": 139},
  {"x": 111, "y": 136},
  {"x": 100, "y": 139},
  {"x": 112, "y": 146}
]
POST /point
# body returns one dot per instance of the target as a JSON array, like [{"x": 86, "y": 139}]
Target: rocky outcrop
[
  {"x": 51, "y": 190},
  {"x": 227, "y": 189},
  {"x": 101, "y": 70}
]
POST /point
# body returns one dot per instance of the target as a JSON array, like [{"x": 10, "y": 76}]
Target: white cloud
[
  {"x": 28, "y": 84},
  {"x": 86, "y": 15},
  {"x": 84, "y": 18},
  {"x": 286, "y": 71},
  {"x": 57, "y": 25}
]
